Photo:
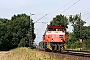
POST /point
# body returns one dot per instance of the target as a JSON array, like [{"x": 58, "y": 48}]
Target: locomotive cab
[{"x": 54, "y": 38}]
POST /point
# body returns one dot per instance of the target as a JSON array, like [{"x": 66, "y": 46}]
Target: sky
[{"x": 42, "y": 7}]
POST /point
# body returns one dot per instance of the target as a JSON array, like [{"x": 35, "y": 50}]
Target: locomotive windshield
[{"x": 55, "y": 28}]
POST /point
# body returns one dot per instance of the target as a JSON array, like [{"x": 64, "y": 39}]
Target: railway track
[
  {"x": 72, "y": 52},
  {"x": 77, "y": 53}
]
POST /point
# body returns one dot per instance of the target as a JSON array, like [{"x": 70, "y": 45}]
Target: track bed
[{"x": 69, "y": 55}]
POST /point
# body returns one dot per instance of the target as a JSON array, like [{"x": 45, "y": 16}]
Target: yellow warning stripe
[{"x": 49, "y": 46}]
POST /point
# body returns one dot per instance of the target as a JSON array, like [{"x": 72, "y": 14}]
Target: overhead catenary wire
[
  {"x": 40, "y": 18},
  {"x": 87, "y": 17},
  {"x": 65, "y": 6},
  {"x": 86, "y": 14},
  {"x": 85, "y": 10},
  {"x": 70, "y": 6},
  {"x": 60, "y": 8},
  {"x": 43, "y": 22}
]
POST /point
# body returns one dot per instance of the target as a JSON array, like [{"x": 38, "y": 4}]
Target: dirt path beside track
[{"x": 2, "y": 53}]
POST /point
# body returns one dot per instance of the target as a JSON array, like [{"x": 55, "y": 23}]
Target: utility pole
[
  {"x": 30, "y": 29},
  {"x": 80, "y": 34},
  {"x": 80, "y": 28},
  {"x": 30, "y": 38}
]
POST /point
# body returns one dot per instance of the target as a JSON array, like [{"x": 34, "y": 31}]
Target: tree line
[{"x": 15, "y": 32}]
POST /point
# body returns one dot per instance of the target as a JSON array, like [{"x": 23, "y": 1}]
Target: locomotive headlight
[
  {"x": 52, "y": 39},
  {"x": 61, "y": 36},
  {"x": 61, "y": 40}
]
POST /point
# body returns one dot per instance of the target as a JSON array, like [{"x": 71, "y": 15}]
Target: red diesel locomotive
[{"x": 54, "y": 38}]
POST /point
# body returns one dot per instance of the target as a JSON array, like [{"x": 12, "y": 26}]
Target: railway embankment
[{"x": 24, "y": 53}]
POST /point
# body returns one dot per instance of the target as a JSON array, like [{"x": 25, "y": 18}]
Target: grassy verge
[{"x": 25, "y": 54}]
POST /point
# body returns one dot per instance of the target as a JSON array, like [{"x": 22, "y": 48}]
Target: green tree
[
  {"x": 15, "y": 32},
  {"x": 21, "y": 23},
  {"x": 77, "y": 24},
  {"x": 60, "y": 20}
]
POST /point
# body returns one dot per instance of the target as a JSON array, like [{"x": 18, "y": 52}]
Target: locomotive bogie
[{"x": 53, "y": 46}]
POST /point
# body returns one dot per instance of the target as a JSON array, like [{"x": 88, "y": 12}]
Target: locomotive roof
[{"x": 55, "y": 27}]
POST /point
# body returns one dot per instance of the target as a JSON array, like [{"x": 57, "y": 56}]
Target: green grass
[{"x": 24, "y": 53}]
